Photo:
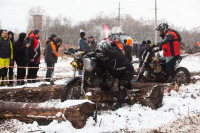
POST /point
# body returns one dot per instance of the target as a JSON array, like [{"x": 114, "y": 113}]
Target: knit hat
[
  {"x": 148, "y": 42},
  {"x": 22, "y": 36},
  {"x": 53, "y": 35},
  {"x": 35, "y": 31},
  {"x": 129, "y": 42}
]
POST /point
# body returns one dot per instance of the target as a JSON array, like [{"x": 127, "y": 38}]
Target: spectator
[
  {"x": 11, "y": 37},
  {"x": 20, "y": 57},
  {"x": 127, "y": 49},
  {"x": 5, "y": 55},
  {"x": 125, "y": 41},
  {"x": 1, "y": 30},
  {"x": 117, "y": 42},
  {"x": 58, "y": 42},
  {"x": 148, "y": 43},
  {"x": 27, "y": 50},
  {"x": 91, "y": 43},
  {"x": 51, "y": 55},
  {"x": 83, "y": 45},
  {"x": 34, "y": 55},
  {"x": 142, "y": 48}
]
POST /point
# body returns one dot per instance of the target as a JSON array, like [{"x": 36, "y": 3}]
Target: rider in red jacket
[{"x": 170, "y": 46}]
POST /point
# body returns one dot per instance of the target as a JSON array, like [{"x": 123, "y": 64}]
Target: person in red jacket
[
  {"x": 170, "y": 46},
  {"x": 34, "y": 55}
]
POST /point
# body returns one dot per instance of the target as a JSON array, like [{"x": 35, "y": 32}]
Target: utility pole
[
  {"x": 119, "y": 15},
  {"x": 156, "y": 23}
]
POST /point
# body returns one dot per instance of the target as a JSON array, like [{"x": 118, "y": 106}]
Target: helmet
[
  {"x": 102, "y": 46},
  {"x": 162, "y": 27}
]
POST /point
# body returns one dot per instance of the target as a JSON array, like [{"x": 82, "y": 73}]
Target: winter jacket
[
  {"x": 172, "y": 47},
  {"x": 116, "y": 63},
  {"x": 6, "y": 48},
  {"x": 83, "y": 44},
  {"x": 13, "y": 43},
  {"x": 128, "y": 52},
  {"x": 141, "y": 50},
  {"x": 120, "y": 46},
  {"x": 51, "y": 52},
  {"x": 34, "y": 49},
  {"x": 93, "y": 45},
  {"x": 20, "y": 51}
]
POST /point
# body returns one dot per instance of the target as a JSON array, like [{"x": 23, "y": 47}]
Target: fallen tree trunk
[
  {"x": 32, "y": 94},
  {"x": 29, "y": 112},
  {"x": 150, "y": 95}
]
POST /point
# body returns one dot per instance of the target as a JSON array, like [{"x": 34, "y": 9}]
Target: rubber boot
[{"x": 120, "y": 100}]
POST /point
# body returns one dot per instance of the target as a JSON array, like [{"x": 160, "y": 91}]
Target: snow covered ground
[{"x": 176, "y": 106}]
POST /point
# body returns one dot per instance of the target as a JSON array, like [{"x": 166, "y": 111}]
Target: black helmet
[
  {"x": 162, "y": 27},
  {"x": 103, "y": 46}
]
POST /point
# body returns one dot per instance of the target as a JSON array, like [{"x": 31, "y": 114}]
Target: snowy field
[{"x": 176, "y": 106}]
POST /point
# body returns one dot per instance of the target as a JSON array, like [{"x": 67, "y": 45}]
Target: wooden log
[
  {"x": 31, "y": 94},
  {"x": 29, "y": 112},
  {"x": 150, "y": 95}
]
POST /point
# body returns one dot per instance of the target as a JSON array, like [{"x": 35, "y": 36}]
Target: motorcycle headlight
[{"x": 74, "y": 64}]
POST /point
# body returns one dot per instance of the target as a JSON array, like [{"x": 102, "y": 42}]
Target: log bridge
[{"x": 23, "y": 103}]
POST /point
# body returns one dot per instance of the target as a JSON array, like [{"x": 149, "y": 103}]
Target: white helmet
[{"x": 102, "y": 46}]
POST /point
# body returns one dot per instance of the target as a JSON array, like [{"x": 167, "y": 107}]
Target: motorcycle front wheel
[
  {"x": 73, "y": 90},
  {"x": 182, "y": 76}
]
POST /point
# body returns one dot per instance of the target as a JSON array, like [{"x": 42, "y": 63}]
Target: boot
[
  {"x": 116, "y": 106},
  {"x": 120, "y": 99},
  {"x": 18, "y": 82}
]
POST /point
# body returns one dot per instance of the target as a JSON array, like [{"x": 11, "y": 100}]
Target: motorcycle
[
  {"x": 153, "y": 69},
  {"x": 93, "y": 75}
]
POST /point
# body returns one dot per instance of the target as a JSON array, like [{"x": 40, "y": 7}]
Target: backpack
[{"x": 178, "y": 35}]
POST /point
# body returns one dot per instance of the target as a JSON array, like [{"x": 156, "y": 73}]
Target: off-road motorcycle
[
  {"x": 153, "y": 69},
  {"x": 93, "y": 75}
]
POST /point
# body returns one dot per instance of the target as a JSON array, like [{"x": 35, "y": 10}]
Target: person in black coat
[
  {"x": 116, "y": 63},
  {"x": 91, "y": 43},
  {"x": 141, "y": 50},
  {"x": 10, "y": 73},
  {"x": 21, "y": 57},
  {"x": 127, "y": 49}
]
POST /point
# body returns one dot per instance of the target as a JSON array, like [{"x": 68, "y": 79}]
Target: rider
[
  {"x": 170, "y": 46},
  {"x": 118, "y": 66}
]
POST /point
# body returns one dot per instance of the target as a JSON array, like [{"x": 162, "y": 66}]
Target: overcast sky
[{"x": 182, "y": 13}]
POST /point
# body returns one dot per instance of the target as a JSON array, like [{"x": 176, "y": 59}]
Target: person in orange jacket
[{"x": 51, "y": 55}]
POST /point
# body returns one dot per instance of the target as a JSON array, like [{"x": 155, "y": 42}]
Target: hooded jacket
[
  {"x": 20, "y": 50},
  {"x": 34, "y": 49}
]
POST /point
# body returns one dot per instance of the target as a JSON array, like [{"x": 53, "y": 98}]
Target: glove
[
  {"x": 11, "y": 62},
  {"x": 155, "y": 45}
]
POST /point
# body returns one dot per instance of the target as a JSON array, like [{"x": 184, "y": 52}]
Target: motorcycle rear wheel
[
  {"x": 182, "y": 76},
  {"x": 72, "y": 90}
]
